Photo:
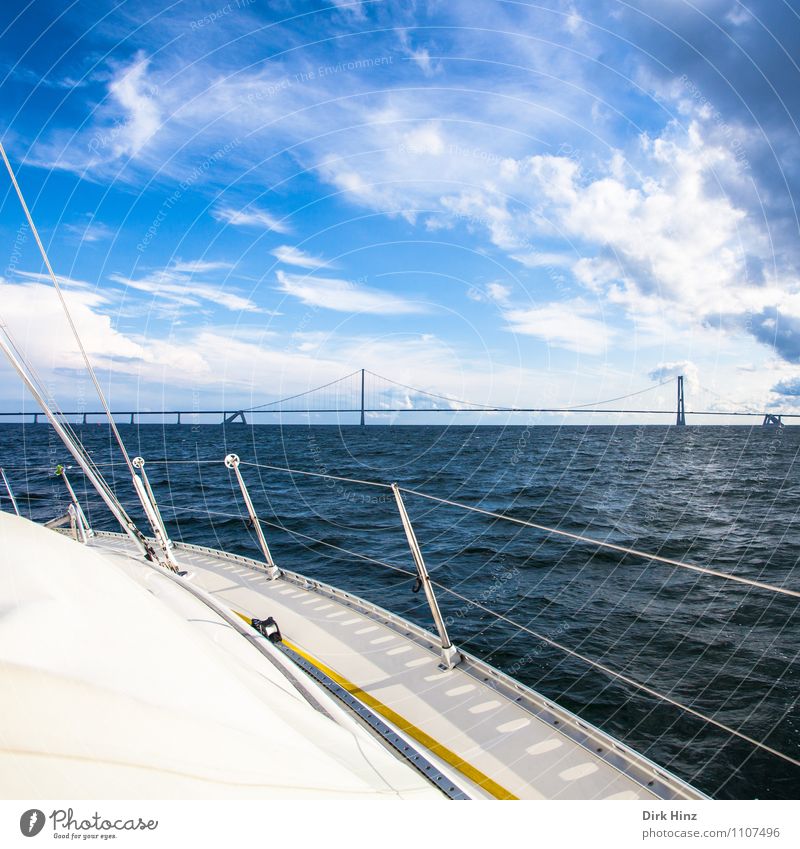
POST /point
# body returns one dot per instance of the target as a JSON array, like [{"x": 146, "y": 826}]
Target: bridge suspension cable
[
  {"x": 302, "y": 394},
  {"x": 374, "y": 406},
  {"x": 513, "y": 409}
]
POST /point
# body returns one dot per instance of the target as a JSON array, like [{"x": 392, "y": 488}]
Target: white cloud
[
  {"x": 89, "y": 231},
  {"x": 495, "y": 292},
  {"x": 40, "y": 277},
  {"x": 543, "y": 259},
  {"x": 178, "y": 286},
  {"x": 498, "y": 292},
  {"x": 688, "y": 369},
  {"x": 344, "y": 296},
  {"x": 124, "y": 125},
  {"x": 422, "y": 59},
  {"x": 250, "y": 216},
  {"x": 573, "y": 23},
  {"x": 133, "y": 92},
  {"x": 289, "y": 255},
  {"x": 569, "y": 325},
  {"x": 34, "y": 317},
  {"x": 199, "y": 266}
]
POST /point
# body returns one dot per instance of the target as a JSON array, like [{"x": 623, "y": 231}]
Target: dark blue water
[{"x": 724, "y": 497}]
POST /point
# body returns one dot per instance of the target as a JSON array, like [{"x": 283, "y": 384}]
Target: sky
[{"x": 514, "y": 203}]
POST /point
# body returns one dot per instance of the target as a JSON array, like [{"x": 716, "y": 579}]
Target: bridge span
[{"x": 364, "y": 393}]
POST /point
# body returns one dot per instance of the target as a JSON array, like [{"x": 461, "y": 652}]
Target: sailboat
[{"x": 134, "y": 666}]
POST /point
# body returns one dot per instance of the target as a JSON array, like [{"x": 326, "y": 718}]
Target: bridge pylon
[
  {"x": 681, "y": 420},
  {"x": 363, "y": 422}
]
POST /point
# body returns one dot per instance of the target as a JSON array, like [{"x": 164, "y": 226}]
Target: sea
[{"x": 725, "y": 498}]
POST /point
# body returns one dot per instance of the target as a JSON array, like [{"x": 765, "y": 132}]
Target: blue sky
[{"x": 509, "y": 202}]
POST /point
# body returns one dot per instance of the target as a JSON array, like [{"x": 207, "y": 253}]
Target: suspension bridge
[{"x": 365, "y": 395}]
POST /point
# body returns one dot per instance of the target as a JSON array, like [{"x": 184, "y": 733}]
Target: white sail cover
[{"x": 117, "y": 683}]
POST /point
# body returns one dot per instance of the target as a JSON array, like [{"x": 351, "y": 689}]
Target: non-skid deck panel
[{"x": 491, "y": 731}]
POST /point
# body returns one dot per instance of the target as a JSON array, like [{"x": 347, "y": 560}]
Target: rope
[
  {"x": 610, "y": 545},
  {"x": 619, "y": 676},
  {"x": 339, "y": 548}
]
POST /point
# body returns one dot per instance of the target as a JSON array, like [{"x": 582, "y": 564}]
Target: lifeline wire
[{"x": 578, "y": 537}]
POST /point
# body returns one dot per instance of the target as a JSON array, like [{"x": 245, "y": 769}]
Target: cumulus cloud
[
  {"x": 663, "y": 371},
  {"x": 34, "y": 318},
  {"x": 789, "y": 388},
  {"x": 571, "y": 325},
  {"x": 649, "y": 229}
]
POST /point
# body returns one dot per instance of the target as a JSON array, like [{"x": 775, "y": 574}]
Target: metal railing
[
  {"x": 79, "y": 524},
  {"x": 10, "y": 492}
]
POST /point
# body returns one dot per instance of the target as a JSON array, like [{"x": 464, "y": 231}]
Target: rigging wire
[
  {"x": 568, "y": 534},
  {"x": 316, "y": 474},
  {"x": 292, "y": 532},
  {"x": 57, "y": 418},
  {"x": 70, "y": 434},
  {"x": 73, "y": 328}
]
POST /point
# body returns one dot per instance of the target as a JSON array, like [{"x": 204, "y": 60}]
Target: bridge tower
[
  {"x": 363, "y": 423},
  {"x": 681, "y": 420}
]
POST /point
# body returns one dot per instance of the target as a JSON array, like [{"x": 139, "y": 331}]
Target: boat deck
[{"x": 497, "y": 737}]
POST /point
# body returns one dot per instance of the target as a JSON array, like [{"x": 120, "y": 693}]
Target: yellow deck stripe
[{"x": 447, "y": 755}]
